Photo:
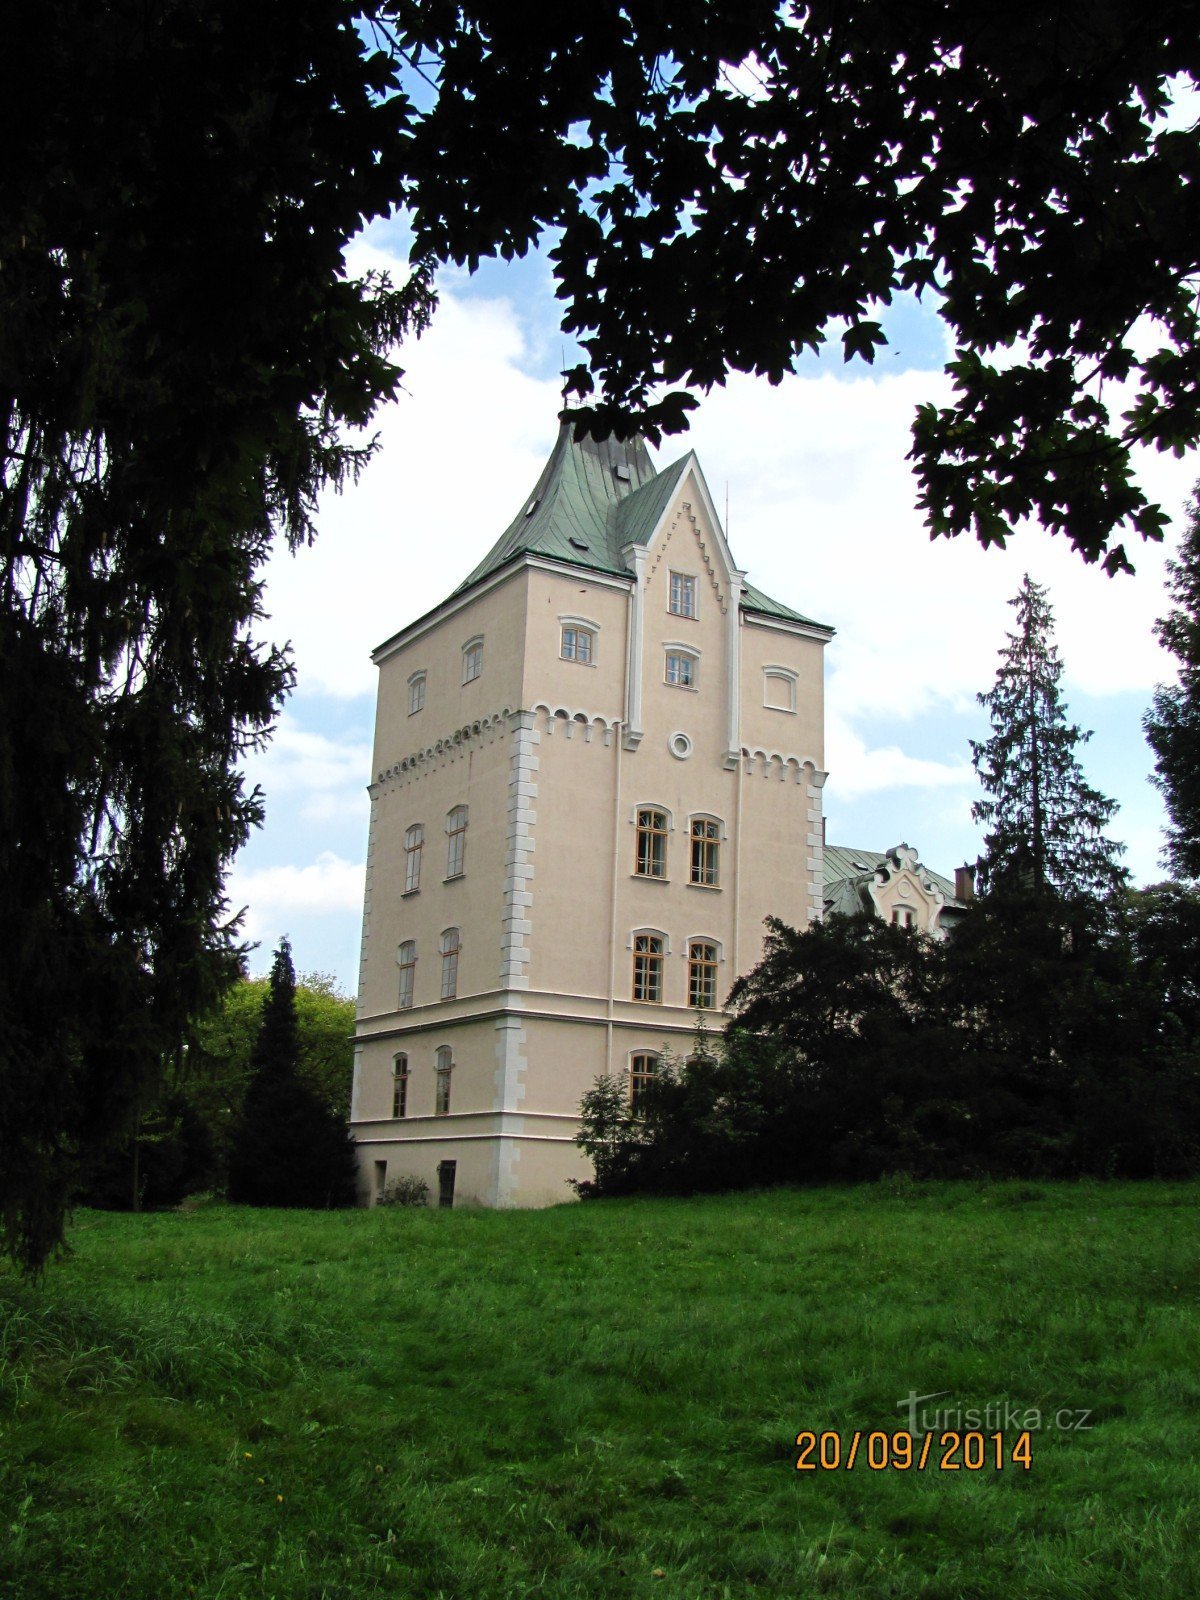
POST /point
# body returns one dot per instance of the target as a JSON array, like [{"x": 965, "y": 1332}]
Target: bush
[{"x": 405, "y": 1191}]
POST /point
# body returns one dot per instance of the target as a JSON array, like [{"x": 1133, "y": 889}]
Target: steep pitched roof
[
  {"x": 572, "y": 513},
  {"x": 848, "y": 872},
  {"x": 593, "y": 499}
]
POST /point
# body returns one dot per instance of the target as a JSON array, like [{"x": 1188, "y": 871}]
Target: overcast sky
[{"x": 821, "y": 514}]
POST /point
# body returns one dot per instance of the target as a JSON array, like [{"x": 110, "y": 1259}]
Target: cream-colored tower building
[{"x": 598, "y": 767}]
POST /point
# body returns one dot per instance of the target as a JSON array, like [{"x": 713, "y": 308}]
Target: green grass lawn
[{"x": 602, "y": 1400}]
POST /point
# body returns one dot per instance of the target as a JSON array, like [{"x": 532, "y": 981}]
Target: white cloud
[
  {"x": 855, "y": 770},
  {"x": 327, "y": 886},
  {"x": 459, "y": 448}
]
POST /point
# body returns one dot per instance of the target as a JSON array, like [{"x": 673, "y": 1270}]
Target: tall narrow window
[
  {"x": 400, "y": 1086},
  {"x": 472, "y": 660},
  {"x": 683, "y": 595},
  {"x": 650, "y": 860},
  {"x": 450, "y": 953},
  {"x": 702, "y": 974},
  {"x": 445, "y": 1066},
  {"x": 414, "y": 841},
  {"x": 408, "y": 972},
  {"x": 642, "y": 1067},
  {"x": 706, "y": 852},
  {"x": 576, "y": 644},
  {"x": 416, "y": 692},
  {"x": 456, "y": 842},
  {"x": 648, "y": 967},
  {"x": 681, "y": 670}
]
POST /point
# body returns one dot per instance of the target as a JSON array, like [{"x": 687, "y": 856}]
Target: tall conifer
[
  {"x": 1173, "y": 723},
  {"x": 290, "y": 1149},
  {"x": 1045, "y": 821}
]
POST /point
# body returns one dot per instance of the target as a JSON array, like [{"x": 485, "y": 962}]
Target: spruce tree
[
  {"x": 1045, "y": 821},
  {"x": 1173, "y": 722},
  {"x": 290, "y": 1148}
]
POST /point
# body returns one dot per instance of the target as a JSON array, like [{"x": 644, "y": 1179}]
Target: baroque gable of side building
[{"x": 598, "y": 766}]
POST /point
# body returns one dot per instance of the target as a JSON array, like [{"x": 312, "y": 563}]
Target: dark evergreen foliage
[
  {"x": 290, "y": 1149},
  {"x": 169, "y": 1156},
  {"x": 180, "y": 354},
  {"x": 1173, "y": 722},
  {"x": 1048, "y": 1038},
  {"x": 1045, "y": 821}
]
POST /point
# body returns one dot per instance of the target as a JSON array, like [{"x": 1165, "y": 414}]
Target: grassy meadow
[{"x": 602, "y": 1400}]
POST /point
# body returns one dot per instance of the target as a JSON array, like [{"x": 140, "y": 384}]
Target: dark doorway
[{"x": 446, "y": 1182}]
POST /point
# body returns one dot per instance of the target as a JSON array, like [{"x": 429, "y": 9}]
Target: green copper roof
[
  {"x": 571, "y": 514},
  {"x": 848, "y": 871},
  {"x": 593, "y": 499}
]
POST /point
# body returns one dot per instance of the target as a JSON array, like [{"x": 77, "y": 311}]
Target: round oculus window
[{"x": 680, "y": 746}]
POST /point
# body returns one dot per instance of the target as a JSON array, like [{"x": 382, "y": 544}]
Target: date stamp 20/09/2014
[{"x": 899, "y": 1451}]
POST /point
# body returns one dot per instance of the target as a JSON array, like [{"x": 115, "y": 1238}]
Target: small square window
[{"x": 683, "y": 595}]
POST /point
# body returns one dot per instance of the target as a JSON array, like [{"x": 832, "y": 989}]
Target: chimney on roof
[{"x": 964, "y": 883}]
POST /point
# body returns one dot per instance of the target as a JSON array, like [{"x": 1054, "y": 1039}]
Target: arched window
[
  {"x": 703, "y": 958},
  {"x": 414, "y": 841},
  {"x": 683, "y": 668},
  {"x": 400, "y": 1086},
  {"x": 648, "y": 967},
  {"x": 450, "y": 948},
  {"x": 472, "y": 660},
  {"x": 408, "y": 972},
  {"x": 705, "y": 868},
  {"x": 578, "y": 639},
  {"x": 643, "y": 1065},
  {"x": 442, "y": 1071},
  {"x": 416, "y": 693},
  {"x": 650, "y": 859},
  {"x": 779, "y": 688},
  {"x": 904, "y": 916},
  {"x": 456, "y": 842}
]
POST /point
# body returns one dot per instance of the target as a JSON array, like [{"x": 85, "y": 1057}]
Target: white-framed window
[
  {"x": 683, "y": 594},
  {"x": 649, "y": 950},
  {"x": 400, "y": 1086},
  {"x": 779, "y": 688},
  {"x": 578, "y": 639},
  {"x": 683, "y": 668},
  {"x": 472, "y": 653},
  {"x": 414, "y": 844},
  {"x": 451, "y": 948},
  {"x": 643, "y": 1064},
  {"x": 456, "y": 842},
  {"x": 650, "y": 849},
  {"x": 704, "y": 956},
  {"x": 443, "y": 1067},
  {"x": 416, "y": 693},
  {"x": 704, "y": 867},
  {"x": 578, "y": 645},
  {"x": 407, "y": 959}
]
